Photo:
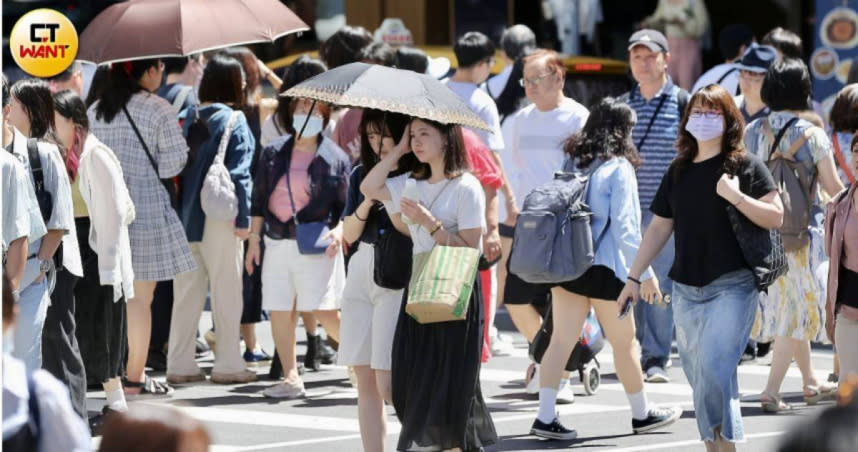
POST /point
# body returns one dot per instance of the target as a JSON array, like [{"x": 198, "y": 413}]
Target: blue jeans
[
  {"x": 654, "y": 323},
  {"x": 33, "y": 304},
  {"x": 712, "y": 327}
]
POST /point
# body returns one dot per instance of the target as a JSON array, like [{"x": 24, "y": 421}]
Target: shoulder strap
[
  {"x": 142, "y": 142},
  {"x": 724, "y": 76},
  {"x": 224, "y": 138},
  {"x": 652, "y": 120},
  {"x": 179, "y": 101},
  {"x": 36, "y": 163},
  {"x": 773, "y": 152},
  {"x": 799, "y": 142},
  {"x": 838, "y": 155}
]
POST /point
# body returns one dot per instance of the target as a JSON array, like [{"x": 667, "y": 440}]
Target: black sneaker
[
  {"x": 658, "y": 418},
  {"x": 554, "y": 430}
]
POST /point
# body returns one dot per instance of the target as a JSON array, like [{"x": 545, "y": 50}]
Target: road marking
[{"x": 662, "y": 446}]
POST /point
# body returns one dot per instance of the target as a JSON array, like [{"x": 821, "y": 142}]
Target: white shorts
[
  {"x": 369, "y": 315},
  {"x": 307, "y": 282}
]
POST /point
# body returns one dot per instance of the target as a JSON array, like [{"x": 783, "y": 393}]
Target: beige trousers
[
  {"x": 219, "y": 265},
  {"x": 846, "y": 338}
]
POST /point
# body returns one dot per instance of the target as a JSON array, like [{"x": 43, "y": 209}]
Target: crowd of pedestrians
[{"x": 112, "y": 245}]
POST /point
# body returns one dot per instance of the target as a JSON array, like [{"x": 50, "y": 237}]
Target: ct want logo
[{"x": 43, "y": 42}]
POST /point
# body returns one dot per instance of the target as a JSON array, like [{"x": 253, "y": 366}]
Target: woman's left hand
[
  {"x": 336, "y": 237},
  {"x": 417, "y": 213},
  {"x": 728, "y": 188}
]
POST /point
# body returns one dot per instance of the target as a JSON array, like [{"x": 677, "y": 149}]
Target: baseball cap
[
  {"x": 653, "y": 39},
  {"x": 757, "y": 58}
]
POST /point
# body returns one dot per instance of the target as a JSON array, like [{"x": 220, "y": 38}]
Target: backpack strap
[
  {"x": 726, "y": 74},
  {"x": 799, "y": 142},
  {"x": 774, "y": 153}
]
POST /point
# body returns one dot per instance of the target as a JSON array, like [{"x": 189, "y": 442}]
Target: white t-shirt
[
  {"x": 458, "y": 203},
  {"x": 483, "y": 105},
  {"x": 534, "y": 140},
  {"x": 730, "y": 82}
]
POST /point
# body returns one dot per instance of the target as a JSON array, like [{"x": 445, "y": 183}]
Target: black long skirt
[{"x": 436, "y": 381}]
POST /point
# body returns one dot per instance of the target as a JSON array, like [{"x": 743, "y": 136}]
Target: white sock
[
  {"x": 547, "y": 404},
  {"x": 116, "y": 400},
  {"x": 638, "y": 402}
]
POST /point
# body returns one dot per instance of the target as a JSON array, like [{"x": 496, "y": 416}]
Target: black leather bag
[
  {"x": 763, "y": 249},
  {"x": 392, "y": 251}
]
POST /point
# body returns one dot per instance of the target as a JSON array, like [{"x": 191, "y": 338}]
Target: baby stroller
[{"x": 583, "y": 357}]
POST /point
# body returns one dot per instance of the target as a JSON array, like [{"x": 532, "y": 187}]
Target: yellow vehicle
[{"x": 588, "y": 79}]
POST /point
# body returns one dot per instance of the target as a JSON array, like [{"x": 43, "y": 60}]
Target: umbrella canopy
[
  {"x": 140, "y": 29},
  {"x": 395, "y": 90}
]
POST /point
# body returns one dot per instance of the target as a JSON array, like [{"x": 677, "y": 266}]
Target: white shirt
[
  {"x": 730, "y": 82},
  {"x": 483, "y": 105},
  {"x": 60, "y": 428},
  {"x": 21, "y": 216},
  {"x": 534, "y": 145},
  {"x": 459, "y": 204},
  {"x": 103, "y": 189}
]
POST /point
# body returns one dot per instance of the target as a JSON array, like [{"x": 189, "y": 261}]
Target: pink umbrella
[{"x": 140, "y": 29}]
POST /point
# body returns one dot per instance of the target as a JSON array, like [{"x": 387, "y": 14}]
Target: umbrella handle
[{"x": 301, "y": 133}]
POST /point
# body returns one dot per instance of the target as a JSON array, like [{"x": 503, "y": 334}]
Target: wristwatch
[{"x": 46, "y": 265}]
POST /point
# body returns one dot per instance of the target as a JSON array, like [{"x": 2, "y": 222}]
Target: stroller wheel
[{"x": 591, "y": 379}]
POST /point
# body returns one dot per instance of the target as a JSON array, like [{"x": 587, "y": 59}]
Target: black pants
[
  {"x": 60, "y": 353},
  {"x": 162, "y": 313},
  {"x": 252, "y": 294},
  {"x": 101, "y": 322}
]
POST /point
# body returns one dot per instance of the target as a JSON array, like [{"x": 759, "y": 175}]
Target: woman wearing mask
[
  {"x": 141, "y": 128},
  {"x": 52, "y": 345},
  {"x": 215, "y": 243},
  {"x": 370, "y": 311},
  {"x": 436, "y": 366},
  {"x": 841, "y": 245},
  {"x": 303, "y": 178},
  {"x": 714, "y": 294},
  {"x": 105, "y": 250},
  {"x": 793, "y": 312},
  {"x": 604, "y": 149}
]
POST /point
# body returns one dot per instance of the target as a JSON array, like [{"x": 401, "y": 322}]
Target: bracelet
[
  {"x": 435, "y": 229},
  {"x": 254, "y": 235},
  {"x": 634, "y": 280},
  {"x": 363, "y": 220}
]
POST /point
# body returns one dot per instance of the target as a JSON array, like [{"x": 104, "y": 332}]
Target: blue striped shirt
[{"x": 659, "y": 148}]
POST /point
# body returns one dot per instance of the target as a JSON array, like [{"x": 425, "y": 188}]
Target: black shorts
[
  {"x": 598, "y": 282},
  {"x": 519, "y": 291}
]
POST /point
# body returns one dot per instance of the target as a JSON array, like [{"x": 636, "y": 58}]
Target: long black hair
[
  {"x": 512, "y": 97},
  {"x": 35, "y": 98},
  {"x": 607, "y": 133},
  {"x": 69, "y": 105},
  {"x": 389, "y": 125},
  {"x": 122, "y": 82}
]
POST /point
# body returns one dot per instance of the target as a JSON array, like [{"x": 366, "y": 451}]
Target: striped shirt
[{"x": 659, "y": 148}]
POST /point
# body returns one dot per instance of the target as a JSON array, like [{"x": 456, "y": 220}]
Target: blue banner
[{"x": 835, "y": 48}]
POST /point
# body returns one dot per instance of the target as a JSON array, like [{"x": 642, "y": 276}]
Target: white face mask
[
  {"x": 313, "y": 128},
  {"x": 705, "y": 127}
]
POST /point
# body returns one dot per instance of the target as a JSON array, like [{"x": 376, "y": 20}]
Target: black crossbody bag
[
  {"x": 392, "y": 251},
  {"x": 168, "y": 184}
]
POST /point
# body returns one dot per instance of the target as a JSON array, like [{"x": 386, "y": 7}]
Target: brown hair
[
  {"x": 844, "y": 113},
  {"x": 552, "y": 61},
  {"x": 151, "y": 427},
  {"x": 732, "y": 144},
  {"x": 455, "y": 154}
]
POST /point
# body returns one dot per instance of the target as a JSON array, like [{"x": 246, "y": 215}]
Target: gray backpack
[
  {"x": 553, "y": 242},
  {"x": 796, "y": 182}
]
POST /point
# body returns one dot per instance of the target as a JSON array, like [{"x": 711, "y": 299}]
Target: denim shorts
[{"x": 713, "y": 323}]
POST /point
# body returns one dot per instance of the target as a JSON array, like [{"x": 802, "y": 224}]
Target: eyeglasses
[
  {"x": 705, "y": 114},
  {"x": 535, "y": 81}
]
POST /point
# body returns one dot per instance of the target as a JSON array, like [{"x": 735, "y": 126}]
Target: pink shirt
[
  {"x": 279, "y": 203},
  {"x": 850, "y": 242}
]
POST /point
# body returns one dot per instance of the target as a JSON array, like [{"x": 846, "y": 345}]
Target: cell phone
[{"x": 627, "y": 307}]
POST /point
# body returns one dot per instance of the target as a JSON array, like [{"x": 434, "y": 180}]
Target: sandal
[
  {"x": 819, "y": 392},
  {"x": 774, "y": 404},
  {"x": 149, "y": 388}
]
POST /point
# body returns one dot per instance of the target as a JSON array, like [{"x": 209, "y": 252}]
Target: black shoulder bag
[
  {"x": 167, "y": 183},
  {"x": 44, "y": 197},
  {"x": 392, "y": 251}
]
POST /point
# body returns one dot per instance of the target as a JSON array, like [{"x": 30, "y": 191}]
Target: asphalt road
[{"x": 239, "y": 418}]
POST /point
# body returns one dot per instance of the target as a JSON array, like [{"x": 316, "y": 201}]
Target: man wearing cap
[
  {"x": 752, "y": 70},
  {"x": 659, "y": 105},
  {"x": 733, "y": 41}
]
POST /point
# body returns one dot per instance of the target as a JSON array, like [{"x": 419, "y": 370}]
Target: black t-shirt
[
  {"x": 378, "y": 218},
  {"x": 706, "y": 247}
]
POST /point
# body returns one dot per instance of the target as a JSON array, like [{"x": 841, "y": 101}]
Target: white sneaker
[
  {"x": 656, "y": 374},
  {"x": 565, "y": 395},
  {"x": 285, "y": 391},
  {"x": 501, "y": 347},
  {"x": 531, "y": 379}
]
